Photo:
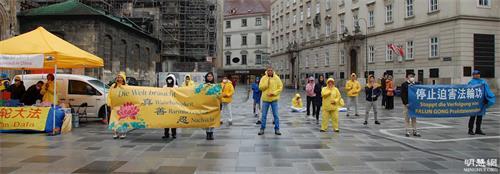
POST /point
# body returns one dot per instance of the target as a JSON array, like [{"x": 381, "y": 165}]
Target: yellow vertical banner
[
  {"x": 148, "y": 107},
  {"x": 23, "y": 118}
]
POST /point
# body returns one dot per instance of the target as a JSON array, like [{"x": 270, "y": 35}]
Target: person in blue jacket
[
  {"x": 256, "y": 98},
  {"x": 489, "y": 101}
]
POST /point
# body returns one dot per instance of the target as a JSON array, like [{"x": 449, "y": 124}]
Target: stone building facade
[
  {"x": 443, "y": 40},
  {"x": 122, "y": 46},
  {"x": 8, "y": 20}
]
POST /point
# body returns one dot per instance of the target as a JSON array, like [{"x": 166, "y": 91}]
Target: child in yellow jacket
[{"x": 332, "y": 101}]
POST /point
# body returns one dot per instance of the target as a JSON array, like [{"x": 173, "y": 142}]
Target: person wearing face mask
[
  {"x": 32, "y": 94},
  {"x": 227, "y": 98},
  {"x": 171, "y": 83},
  {"x": 271, "y": 87},
  {"x": 489, "y": 101},
  {"x": 372, "y": 91},
  {"x": 389, "y": 87},
  {"x": 410, "y": 81},
  {"x": 310, "y": 96}
]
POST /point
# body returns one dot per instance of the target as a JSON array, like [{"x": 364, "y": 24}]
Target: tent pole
[{"x": 55, "y": 98}]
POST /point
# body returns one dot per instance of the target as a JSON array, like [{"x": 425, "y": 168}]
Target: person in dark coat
[
  {"x": 318, "y": 100},
  {"x": 488, "y": 102},
  {"x": 410, "y": 81},
  {"x": 32, "y": 94},
  {"x": 384, "y": 92},
  {"x": 17, "y": 89},
  {"x": 372, "y": 91}
]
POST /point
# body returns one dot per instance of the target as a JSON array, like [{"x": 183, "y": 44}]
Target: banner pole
[{"x": 55, "y": 98}]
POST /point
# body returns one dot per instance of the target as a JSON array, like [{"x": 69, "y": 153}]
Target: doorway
[{"x": 353, "y": 61}]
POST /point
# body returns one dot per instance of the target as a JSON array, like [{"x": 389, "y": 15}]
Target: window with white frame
[
  {"x": 301, "y": 14},
  {"x": 294, "y": 17},
  {"x": 258, "y": 21},
  {"x": 409, "y": 50},
  {"x": 308, "y": 9},
  {"x": 328, "y": 4},
  {"x": 342, "y": 23},
  {"x": 328, "y": 28},
  {"x": 371, "y": 54},
  {"x": 389, "y": 54},
  {"x": 258, "y": 39},
  {"x": 484, "y": 3},
  {"x": 409, "y": 8},
  {"x": 243, "y": 40},
  {"x": 327, "y": 58},
  {"x": 371, "y": 18},
  {"x": 388, "y": 13},
  {"x": 318, "y": 9},
  {"x": 228, "y": 41},
  {"x": 433, "y": 5},
  {"x": 433, "y": 47},
  {"x": 228, "y": 24},
  {"x": 342, "y": 57},
  {"x": 258, "y": 59}
]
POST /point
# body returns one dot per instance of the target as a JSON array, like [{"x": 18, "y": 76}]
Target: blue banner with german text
[{"x": 434, "y": 101}]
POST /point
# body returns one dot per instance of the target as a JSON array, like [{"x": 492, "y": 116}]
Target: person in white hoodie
[{"x": 171, "y": 83}]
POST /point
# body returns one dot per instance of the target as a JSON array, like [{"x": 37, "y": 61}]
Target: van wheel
[{"x": 102, "y": 114}]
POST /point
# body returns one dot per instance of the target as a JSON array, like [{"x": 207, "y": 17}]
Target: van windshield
[{"x": 99, "y": 84}]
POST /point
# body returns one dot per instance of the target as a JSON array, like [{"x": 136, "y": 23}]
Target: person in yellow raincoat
[
  {"x": 353, "y": 88},
  {"x": 297, "y": 105},
  {"x": 120, "y": 81},
  {"x": 188, "y": 81},
  {"x": 271, "y": 87},
  {"x": 332, "y": 101},
  {"x": 48, "y": 90},
  {"x": 227, "y": 98}
]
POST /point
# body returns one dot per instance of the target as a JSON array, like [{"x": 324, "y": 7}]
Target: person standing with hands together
[
  {"x": 332, "y": 101},
  {"x": 271, "y": 87},
  {"x": 353, "y": 88}
]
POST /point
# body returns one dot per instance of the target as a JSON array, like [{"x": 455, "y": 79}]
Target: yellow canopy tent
[
  {"x": 56, "y": 52},
  {"x": 61, "y": 53}
]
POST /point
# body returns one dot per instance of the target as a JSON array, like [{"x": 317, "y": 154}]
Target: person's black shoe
[
  {"x": 416, "y": 134},
  {"x": 471, "y": 132},
  {"x": 322, "y": 130},
  {"x": 407, "y": 134},
  {"x": 277, "y": 132},
  {"x": 258, "y": 122},
  {"x": 365, "y": 123},
  {"x": 347, "y": 115},
  {"x": 165, "y": 136},
  {"x": 221, "y": 122},
  {"x": 174, "y": 136},
  {"x": 317, "y": 121},
  {"x": 208, "y": 136},
  {"x": 261, "y": 132},
  {"x": 357, "y": 115},
  {"x": 273, "y": 122},
  {"x": 480, "y": 132},
  {"x": 376, "y": 122},
  {"x": 336, "y": 130}
]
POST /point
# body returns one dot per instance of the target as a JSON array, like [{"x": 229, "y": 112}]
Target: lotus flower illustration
[{"x": 128, "y": 110}]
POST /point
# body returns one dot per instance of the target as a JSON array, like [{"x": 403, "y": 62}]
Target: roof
[
  {"x": 246, "y": 7},
  {"x": 75, "y": 8}
]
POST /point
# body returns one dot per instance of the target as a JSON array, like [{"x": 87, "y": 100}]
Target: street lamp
[
  {"x": 357, "y": 30},
  {"x": 292, "y": 48}
]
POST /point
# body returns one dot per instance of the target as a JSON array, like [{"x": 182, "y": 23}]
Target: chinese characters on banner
[
  {"x": 147, "y": 107},
  {"x": 446, "y": 100},
  {"x": 23, "y": 118}
]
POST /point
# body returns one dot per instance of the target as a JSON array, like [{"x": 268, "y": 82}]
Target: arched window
[
  {"x": 123, "y": 58},
  {"x": 108, "y": 53},
  {"x": 147, "y": 60},
  {"x": 136, "y": 53}
]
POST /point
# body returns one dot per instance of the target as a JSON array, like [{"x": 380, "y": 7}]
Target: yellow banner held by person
[
  {"x": 23, "y": 118},
  {"x": 147, "y": 107}
]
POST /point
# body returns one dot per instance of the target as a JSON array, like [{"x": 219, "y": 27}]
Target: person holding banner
[
  {"x": 372, "y": 91},
  {"x": 332, "y": 101},
  {"x": 353, "y": 88},
  {"x": 271, "y": 87},
  {"x": 171, "y": 83},
  {"x": 119, "y": 82},
  {"x": 489, "y": 101},
  {"x": 389, "y": 87},
  {"x": 209, "y": 81},
  {"x": 256, "y": 99},
  {"x": 410, "y": 81},
  {"x": 188, "y": 82},
  {"x": 227, "y": 98},
  {"x": 48, "y": 90}
]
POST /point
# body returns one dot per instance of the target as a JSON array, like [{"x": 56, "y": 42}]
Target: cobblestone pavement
[{"x": 443, "y": 147}]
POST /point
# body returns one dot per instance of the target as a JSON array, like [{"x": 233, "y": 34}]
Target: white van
[{"x": 75, "y": 90}]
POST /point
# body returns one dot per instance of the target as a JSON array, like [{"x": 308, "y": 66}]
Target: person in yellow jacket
[
  {"x": 297, "y": 105},
  {"x": 188, "y": 82},
  {"x": 353, "y": 88},
  {"x": 120, "y": 81},
  {"x": 332, "y": 101},
  {"x": 48, "y": 90},
  {"x": 227, "y": 98},
  {"x": 271, "y": 87}
]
